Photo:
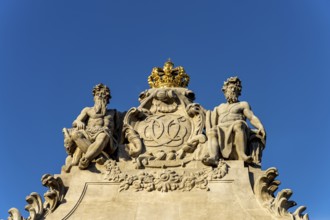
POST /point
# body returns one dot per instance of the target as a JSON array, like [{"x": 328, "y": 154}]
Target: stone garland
[
  {"x": 264, "y": 189},
  {"x": 165, "y": 180}
]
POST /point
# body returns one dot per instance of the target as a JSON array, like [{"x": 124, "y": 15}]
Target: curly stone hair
[
  {"x": 233, "y": 80},
  {"x": 101, "y": 87}
]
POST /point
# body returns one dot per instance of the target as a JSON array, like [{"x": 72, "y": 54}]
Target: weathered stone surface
[
  {"x": 95, "y": 132},
  {"x": 156, "y": 162},
  {"x": 36, "y": 207},
  {"x": 93, "y": 194},
  {"x": 167, "y": 126},
  {"x": 229, "y": 136}
]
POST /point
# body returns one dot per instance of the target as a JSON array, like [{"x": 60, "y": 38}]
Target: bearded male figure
[
  {"x": 93, "y": 135},
  {"x": 229, "y": 136}
]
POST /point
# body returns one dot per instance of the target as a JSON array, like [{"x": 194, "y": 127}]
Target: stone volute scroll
[
  {"x": 38, "y": 209},
  {"x": 264, "y": 189},
  {"x": 167, "y": 127}
]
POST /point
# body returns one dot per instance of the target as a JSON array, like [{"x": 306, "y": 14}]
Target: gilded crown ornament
[{"x": 168, "y": 76}]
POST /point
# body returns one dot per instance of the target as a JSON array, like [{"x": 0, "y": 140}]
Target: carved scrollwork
[
  {"x": 265, "y": 187},
  {"x": 167, "y": 127},
  {"x": 134, "y": 145},
  {"x": 55, "y": 194},
  {"x": 14, "y": 214},
  {"x": 36, "y": 207},
  {"x": 196, "y": 113}
]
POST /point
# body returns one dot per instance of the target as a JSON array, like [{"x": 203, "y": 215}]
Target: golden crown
[{"x": 168, "y": 76}]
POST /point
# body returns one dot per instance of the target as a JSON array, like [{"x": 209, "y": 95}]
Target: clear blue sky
[{"x": 53, "y": 52}]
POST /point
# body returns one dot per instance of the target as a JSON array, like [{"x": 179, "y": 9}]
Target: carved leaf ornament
[
  {"x": 38, "y": 209},
  {"x": 265, "y": 187}
]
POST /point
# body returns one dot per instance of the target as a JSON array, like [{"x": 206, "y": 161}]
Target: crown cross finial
[{"x": 168, "y": 76}]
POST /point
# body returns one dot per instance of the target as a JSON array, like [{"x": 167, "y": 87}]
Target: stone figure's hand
[
  {"x": 262, "y": 132},
  {"x": 107, "y": 129},
  {"x": 80, "y": 125}
]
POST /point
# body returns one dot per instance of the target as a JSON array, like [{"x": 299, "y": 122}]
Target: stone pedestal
[{"x": 91, "y": 196}]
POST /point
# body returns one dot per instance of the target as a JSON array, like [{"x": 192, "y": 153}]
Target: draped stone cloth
[
  {"x": 92, "y": 132},
  {"x": 226, "y": 136}
]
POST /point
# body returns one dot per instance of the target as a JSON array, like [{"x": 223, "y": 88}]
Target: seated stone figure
[
  {"x": 229, "y": 136},
  {"x": 93, "y": 135}
]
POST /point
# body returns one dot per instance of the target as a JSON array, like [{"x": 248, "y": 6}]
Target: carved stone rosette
[
  {"x": 167, "y": 126},
  {"x": 264, "y": 189},
  {"x": 38, "y": 209}
]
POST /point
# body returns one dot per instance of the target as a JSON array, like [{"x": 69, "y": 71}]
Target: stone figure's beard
[
  {"x": 231, "y": 97},
  {"x": 100, "y": 106}
]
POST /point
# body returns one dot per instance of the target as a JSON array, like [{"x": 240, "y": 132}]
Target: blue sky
[{"x": 53, "y": 52}]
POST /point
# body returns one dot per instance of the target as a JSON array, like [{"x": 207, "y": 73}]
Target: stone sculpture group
[
  {"x": 184, "y": 145},
  {"x": 167, "y": 126}
]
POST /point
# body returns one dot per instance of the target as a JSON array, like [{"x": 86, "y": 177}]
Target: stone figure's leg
[
  {"x": 213, "y": 149},
  {"x": 241, "y": 141},
  {"x": 68, "y": 164},
  {"x": 81, "y": 141},
  {"x": 134, "y": 146},
  {"x": 76, "y": 157},
  {"x": 257, "y": 152},
  {"x": 94, "y": 150}
]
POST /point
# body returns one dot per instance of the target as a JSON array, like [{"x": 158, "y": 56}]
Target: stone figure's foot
[
  {"x": 255, "y": 165},
  {"x": 83, "y": 163},
  {"x": 66, "y": 168},
  {"x": 255, "y": 162},
  {"x": 209, "y": 161},
  {"x": 100, "y": 160},
  {"x": 247, "y": 159}
]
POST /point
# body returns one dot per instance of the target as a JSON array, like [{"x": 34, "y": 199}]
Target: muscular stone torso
[
  {"x": 230, "y": 112},
  {"x": 99, "y": 120}
]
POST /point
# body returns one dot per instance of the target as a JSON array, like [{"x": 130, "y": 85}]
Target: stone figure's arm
[
  {"x": 211, "y": 119},
  {"x": 254, "y": 120},
  {"x": 80, "y": 121},
  {"x": 214, "y": 117},
  {"x": 208, "y": 124},
  {"x": 107, "y": 122}
]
